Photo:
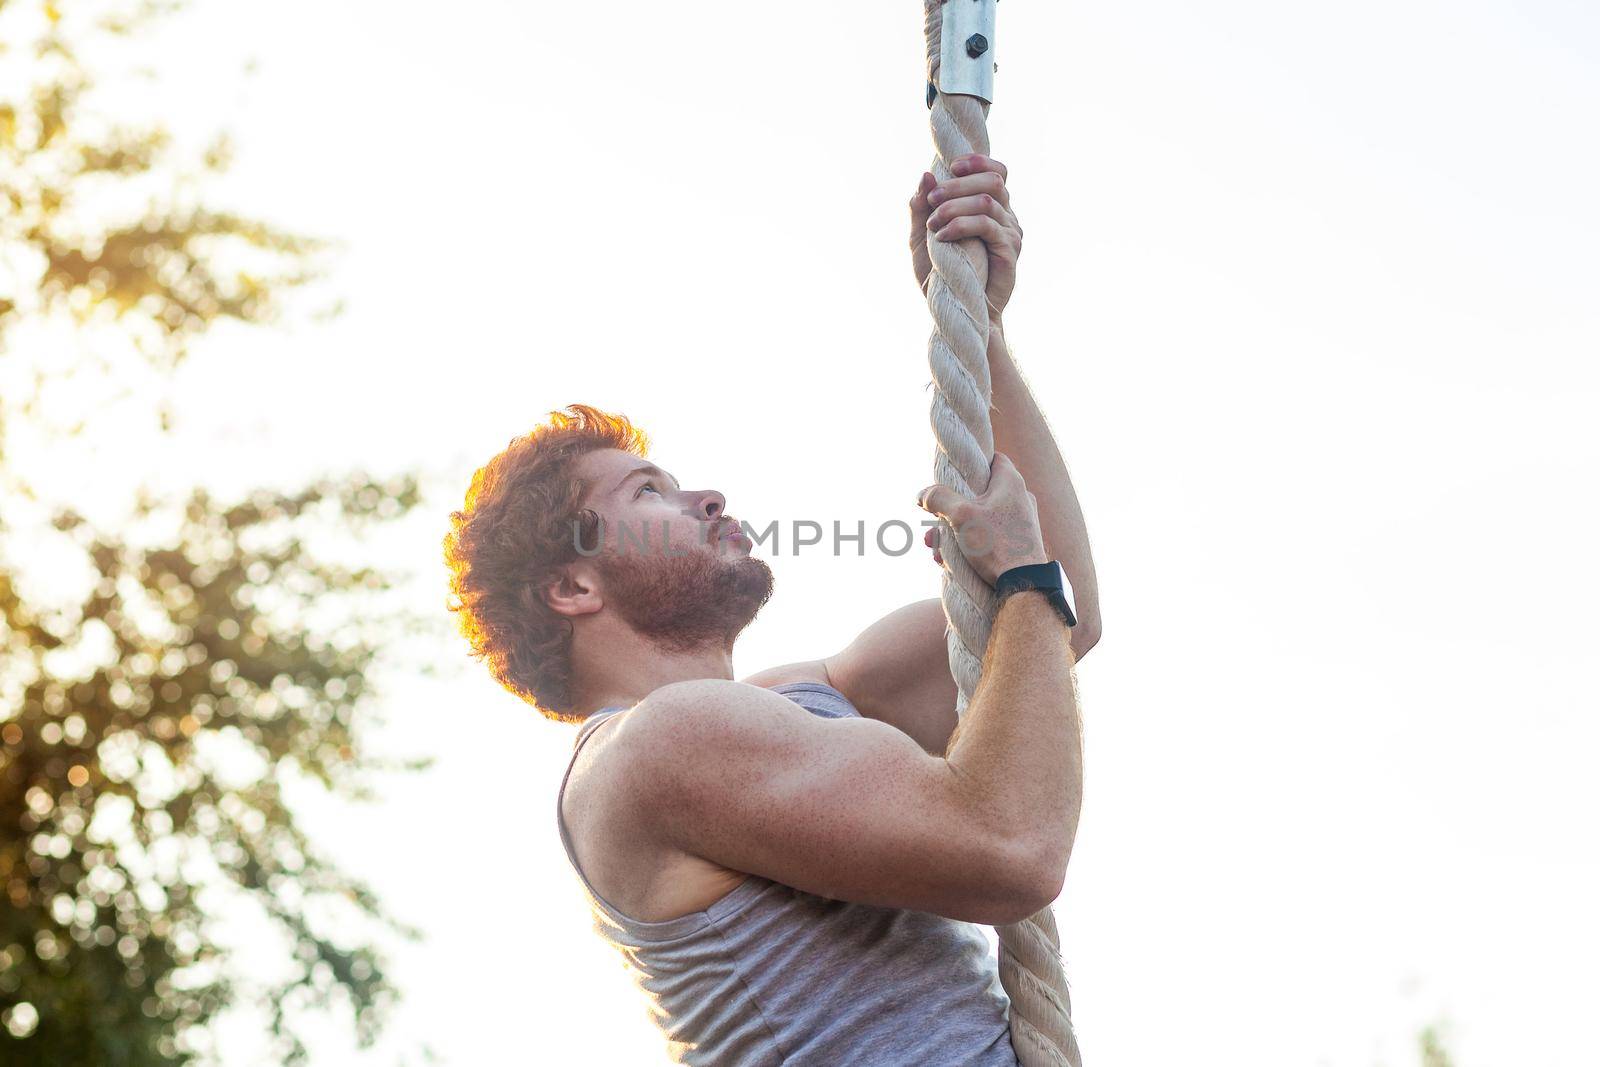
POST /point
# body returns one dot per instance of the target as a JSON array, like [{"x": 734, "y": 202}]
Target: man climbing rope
[{"x": 790, "y": 863}]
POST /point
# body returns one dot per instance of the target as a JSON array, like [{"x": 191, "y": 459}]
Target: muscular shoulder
[
  {"x": 612, "y": 806},
  {"x": 699, "y": 753},
  {"x": 688, "y": 720}
]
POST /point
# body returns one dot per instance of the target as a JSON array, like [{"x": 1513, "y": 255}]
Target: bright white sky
[{"x": 1308, "y": 294}]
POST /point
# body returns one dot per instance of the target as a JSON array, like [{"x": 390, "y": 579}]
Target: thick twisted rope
[{"x": 958, "y": 355}]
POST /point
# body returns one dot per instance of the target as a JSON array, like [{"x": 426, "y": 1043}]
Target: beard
[{"x": 680, "y": 603}]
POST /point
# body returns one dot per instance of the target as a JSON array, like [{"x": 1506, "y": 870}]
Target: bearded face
[
  {"x": 685, "y": 601},
  {"x": 672, "y": 563}
]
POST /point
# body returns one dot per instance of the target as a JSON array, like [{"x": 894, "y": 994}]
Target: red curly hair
[{"x": 511, "y": 538}]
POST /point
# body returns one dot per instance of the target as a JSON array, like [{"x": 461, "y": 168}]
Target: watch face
[{"x": 1066, "y": 587}]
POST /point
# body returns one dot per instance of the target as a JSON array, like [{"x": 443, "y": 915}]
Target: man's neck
[{"x": 629, "y": 668}]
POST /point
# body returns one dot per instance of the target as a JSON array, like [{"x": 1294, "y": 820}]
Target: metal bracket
[{"x": 966, "y": 49}]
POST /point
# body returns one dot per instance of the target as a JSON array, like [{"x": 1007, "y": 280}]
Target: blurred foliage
[
  {"x": 151, "y": 720},
  {"x": 144, "y": 789},
  {"x": 1430, "y": 1044},
  {"x": 104, "y": 220}
]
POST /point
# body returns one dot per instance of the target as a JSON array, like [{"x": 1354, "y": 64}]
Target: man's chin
[
  {"x": 683, "y": 602},
  {"x": 756, "y": 582}
]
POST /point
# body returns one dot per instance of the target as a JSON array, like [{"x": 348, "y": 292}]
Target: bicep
[
  {"x": 849, "y": 809},
  {"x": 898, "y": 671}
]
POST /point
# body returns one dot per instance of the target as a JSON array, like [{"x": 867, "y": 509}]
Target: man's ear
[{"x": 575, "y": 591}]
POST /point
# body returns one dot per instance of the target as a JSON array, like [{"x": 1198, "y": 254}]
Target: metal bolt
[{"x": 977, "y": 45}]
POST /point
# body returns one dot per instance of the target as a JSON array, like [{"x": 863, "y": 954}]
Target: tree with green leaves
[{"x": 152, "y": 711}]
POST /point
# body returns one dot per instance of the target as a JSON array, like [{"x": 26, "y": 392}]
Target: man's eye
[{"x": 648, "y": 486}]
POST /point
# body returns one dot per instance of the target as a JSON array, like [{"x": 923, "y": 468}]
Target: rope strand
[{"x": 958, "y": 355}]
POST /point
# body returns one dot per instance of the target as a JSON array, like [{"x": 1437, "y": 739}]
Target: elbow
[
  {"x": 1036, "y": 873},
  {"x": 1022, "y": 903},
  {"x": 1085, "y": 635},
  {"x": 1047, "y": 880},
  {"x": 1014, "y": 906}
]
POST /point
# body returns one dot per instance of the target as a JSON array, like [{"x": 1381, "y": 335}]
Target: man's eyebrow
[{"x": 647, "y": 468}]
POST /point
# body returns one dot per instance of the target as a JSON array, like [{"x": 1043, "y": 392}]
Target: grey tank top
[{"x": 771, "y": 975}]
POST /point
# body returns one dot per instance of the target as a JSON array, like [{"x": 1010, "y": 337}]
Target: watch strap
[{"x": 1048, "y": 578}]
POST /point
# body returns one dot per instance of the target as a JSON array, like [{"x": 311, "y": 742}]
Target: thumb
[
  {"x": 919, "y": 200},
  {"x": 939, "y": 500}
]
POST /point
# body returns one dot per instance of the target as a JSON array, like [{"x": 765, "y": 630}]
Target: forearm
[
  {"x": 1019, "y": 747},
  {"x": 1021, "y": 432}
]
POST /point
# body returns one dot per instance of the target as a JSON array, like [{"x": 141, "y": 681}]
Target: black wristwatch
[{"x": 1046, "y": 577}]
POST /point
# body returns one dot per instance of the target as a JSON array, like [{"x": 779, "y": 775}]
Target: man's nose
[{"x": 711, "y": 503}]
